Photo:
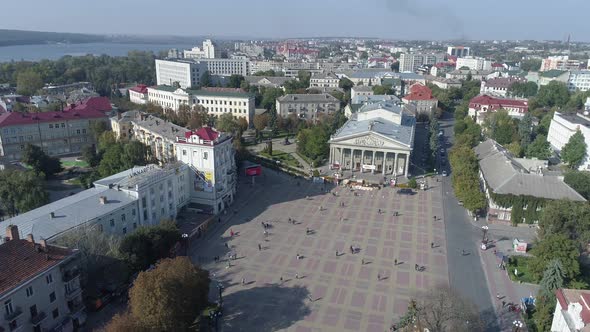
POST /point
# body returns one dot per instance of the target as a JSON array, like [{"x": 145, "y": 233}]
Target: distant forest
[{"x": 20, "y": 37}]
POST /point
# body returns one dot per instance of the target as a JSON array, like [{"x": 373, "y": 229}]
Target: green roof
[
  {"x": 196, "y": 92},
  {"x": 552, "y": 73}
]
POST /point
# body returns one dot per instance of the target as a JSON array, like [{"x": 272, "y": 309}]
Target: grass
[
  {"x": 521, "y": 263},
  {"x": 75, "y": 181},
  {"x": 283, "y": 157},
  {"x": 73, "y": 163}
]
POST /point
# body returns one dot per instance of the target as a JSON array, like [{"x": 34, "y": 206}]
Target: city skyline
[{"x": 389, "y": 19}]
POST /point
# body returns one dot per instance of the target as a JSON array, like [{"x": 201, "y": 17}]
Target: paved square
[{"x": 328, "y": 288}]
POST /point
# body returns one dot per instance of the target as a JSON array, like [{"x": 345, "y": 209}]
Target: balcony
[
  {"x": 70, "y": 275},
  {"x": 14, "y": 314},
  {"x": 40, "y": 317},
  {"x": 73, "y": 293}
]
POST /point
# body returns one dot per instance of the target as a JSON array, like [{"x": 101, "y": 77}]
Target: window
[
  {"x": 29, "y": 291},
  {"x": 52, "y": 297},
  {"x": 123, "y": 217},
  {"x": 133, "y": 212},
  {"x": 145, "y": 214},
  {"x": 143, "y": 201},
  {"x": 163, "y": 212},
  {"x": 205, "y": 155},
  {"x": 49, "y": 278},
  {"x": 55, "y": 313},
  {"x": 33, "y": 310},
  {"x": 63, "y": 125},
  {"x": 8, "y": 307},
  {"x": 134, "y": 225},
  {"x": 100, "y": 228},
  {"x": 112, "y": 222},
  {"x": 51, "y": 125},
  {"x": 124, "y": 230}
]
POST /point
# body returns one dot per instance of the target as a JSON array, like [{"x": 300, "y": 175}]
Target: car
[
  {"x": 405, "y": 191},
  {"x": 461, "y": 203},
  {"x": 441, "y": 133},
  {"x": 444, "y": 173}
]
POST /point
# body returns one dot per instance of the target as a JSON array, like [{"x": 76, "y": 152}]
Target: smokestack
[
  {"x": 43, "y": 244},
  {"x": 52, "y": 215},
  {"x": 30, "y": 238},
  {"x": 102, "y": 200},
  {"x": 12, "y": 233}
]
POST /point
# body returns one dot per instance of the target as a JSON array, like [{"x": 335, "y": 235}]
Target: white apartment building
[
  {"x": 215, "y": 101},
  {"x": 499, "y": 86},
  {"x": 208, "y": 51},
  {"x": 227, "y": 67},
  {"x": 184, "y": 72},
  {"x": 579, "y": 80},
  {"x": 307, "y": 106},
  {"x": 458, "y": 51},
  {"x": 410, "y": 62},
  {"x": 328, "y": 80},
  {"x": 474, "y": 63},
  {"x": 117, "y": 204},
  {"x": 572, "y": 311},
  {"x": 213, "y": 176},
  {"x": 562, "y": 62},
  {"x": 564, "y": 126},
  {"x": 40, "y": 289}
]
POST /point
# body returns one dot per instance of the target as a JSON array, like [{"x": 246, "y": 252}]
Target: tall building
[
  {"x": 187, "y": 74},
  {"x": 458, "y": 51},
  {"x": 210, "y": 156},
  {"x": 474, "y": 63},
  {"x": 564, "y": 126},
  {"x": 208, "y": 51},
  {"x": 579, "y": 80},
  {"x": 40, "y": 288},
  {"x": 410, "y": 62},
  {"x": 57, "y": 133},
  {"x": 561, "y": 62},
  {"x": 227, "y": 67}
]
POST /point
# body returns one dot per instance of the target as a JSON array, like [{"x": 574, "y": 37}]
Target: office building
[
  {"x": 213, "y": 177},
  {"x": 473, "y": 63},
  {"x": 410, "y": 62},
  {"x": 564, "y": 126},
  {"x": 40, "y": 285},
  {"x": 579, "y": 80},
  {"x": 458, "y": 51},
  {"x": 187, "y": 74},
  {"x": 327, "y": 80},
  {"x": 307, "y": 106},
  {"x": 207, "y": 52},
  {"x": 138, "y": 94}
]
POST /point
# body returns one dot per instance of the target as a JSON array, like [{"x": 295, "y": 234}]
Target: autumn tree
[{"x": 260, "y": 121}]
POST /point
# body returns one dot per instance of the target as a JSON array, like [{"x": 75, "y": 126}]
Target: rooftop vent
[{"x": 102, "y": 200}]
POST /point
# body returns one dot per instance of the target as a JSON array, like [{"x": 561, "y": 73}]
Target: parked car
[
  {"x": 405, "y": 191},
  {"x": 444, "y": 173}
]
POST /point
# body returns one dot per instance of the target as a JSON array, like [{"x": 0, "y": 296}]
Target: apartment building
[
  {"x": 327, "y": 80},
  {"x": 473, "y": 63},
  {"x": 410, "y": 62},
  {"x": 458, "y": 51},
  {"x": 57, "y": 133},
  {"x": 186, "y": 73},
  {"x": 215, "y": 101},
  {"x": 40, "y": 288},
  {"x": 421, "y": 97},
  {"x": 210, "y": 156},
  {"x": 562, "y": 62},
  {"x": 499, "y": 86},
  {"x": 361, "y": 90},
  {"x": 307, "y": 106},
  {"x": 208, "y": 51},
  {"x": 564, "y": 126},
  {"x": 579, "y": 80},
  {"x": 116, "y": 205},
  {"x": 482, "y": 105}
]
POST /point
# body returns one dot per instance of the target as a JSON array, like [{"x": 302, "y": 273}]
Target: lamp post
[
  {"x": 220, "y": 288},
  {"x": 485, "y": 231},
  {"x": 517, "y": 325}
]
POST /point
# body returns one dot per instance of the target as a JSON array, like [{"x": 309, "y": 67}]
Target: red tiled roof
[
  {"x": 102, "y": 104},
  {"x": 15, "y": 118},
  {"x": 205, "y": 133},
  {"x": 419, "y": 92},
  {"x": 497, "y": 65},
  {"x": 141, "y": 88},
  {"x": 493, "y": 103},
  {"x": 20, "y": 261}
]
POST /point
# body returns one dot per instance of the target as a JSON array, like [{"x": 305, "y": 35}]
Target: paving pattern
[{"x": 323, "y": 290}]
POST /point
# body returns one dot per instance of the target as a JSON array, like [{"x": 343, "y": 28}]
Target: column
[
  {"x": 341, "y": 158},
  {"x": 383, "y": 163},
  {"x": 373, "y": 162},
  {"x": 352, "y": 160},
  {"x": 330, "y": 158},
  {"x": 407, "y": 163},
  {"x": 395, "y": 164},
  {"x": 362, "y": 161}
]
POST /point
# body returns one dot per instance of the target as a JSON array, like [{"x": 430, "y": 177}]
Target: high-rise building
[
  {"x": 208, "y": 51},
  {"x": 474, "y": 63},
  {"x": 410, "y": 62},
  {"x": 185, "y": 73},
  {"x": 560, "y": 63},
  {"x": 458, "y": 51}
]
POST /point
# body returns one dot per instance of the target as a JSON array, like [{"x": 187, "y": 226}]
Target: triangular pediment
[{"x": 369, "y": 140}]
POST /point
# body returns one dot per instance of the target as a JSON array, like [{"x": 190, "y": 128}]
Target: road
[{"x": 466, "y": 274}]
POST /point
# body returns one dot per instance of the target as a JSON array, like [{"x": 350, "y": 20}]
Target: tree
[
  {"x": 579, "y": 181},
  {"x": 574, "y": 151},
  {"x": 146, "y": 245},
  {"x": 123, "y": 322},
  {"x": 269, "y": 98},
  {"x": 443, "y": 309},
  {"x": 555, "y": 246},
  {"x": 242, "y": 125},
  {"x": 260, "y": 121},
  {"x": 568, "y": 218},
  {"x": 206, "y": 79},
  {"x": 345, "y": 84},
  {"x": 135, "y": 154},
  {"x": 500, "y": 127},
  {"x": 35, "y": 157},
  {"x": 382, "y": 90},
  {"x": 553, "y": 279},
  {"x": 21, "y": 192},
  {"x": 530, "y": 65},
  {"x": 540, "y": 148},
  {"x": 182, "y": 292},
  {"x": 28, "y": 83},
  {"x": 523, "y": 89},
  {"x": 89, "y": 156},
  {"x": 412, "y": 183},
  {"x": 525, "y": 130},
  {"x": 514, "y": 148},
  {"x": 106, "y": 140},
  {"x": 111, "y": 162},
  {"x": 97, "y": 128},
  {"x": 553, "y": 94},
  {"x": 235, "y": 81},
  {"x": 227, "y": 123}
]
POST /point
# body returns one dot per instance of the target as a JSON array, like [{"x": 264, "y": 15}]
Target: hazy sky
[{"x": 397, "y": 19}]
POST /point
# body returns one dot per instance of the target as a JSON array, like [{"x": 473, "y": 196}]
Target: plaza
[{"x": 269, "y": 288}]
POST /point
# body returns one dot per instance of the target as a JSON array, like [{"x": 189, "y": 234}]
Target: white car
[{"x": 444, "y": 173}]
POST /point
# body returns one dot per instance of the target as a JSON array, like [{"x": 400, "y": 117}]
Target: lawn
[
  {"x": 521, "y": 264},
  {"x": 283, "y": 157},
  {"x": 73, "y": 163}
]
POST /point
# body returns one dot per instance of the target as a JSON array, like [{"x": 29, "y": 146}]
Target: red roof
[
  {"x": 102, "y": 104},
  {"x": 205, "y": 133},
  {"x": 565, "y": 297},
  {"x": 493, "y": 103},
  {"x": 419, "y": 92},
  {"x": 497, "y": 65},
  {"x": 16, "y": 118},
  {"x": 21, "y": 260},
  {"x": 141, "y": 88}
]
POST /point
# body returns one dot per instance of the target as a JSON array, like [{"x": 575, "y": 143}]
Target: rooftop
[
  {"x": 504, "y": 174},
  {"x": 553, "y": 73},
  {"x": 496, "y": 103},
  {"x": 217, "y": 92},
  {"x": 419, "y": 92},
  {"x": 578, "y": 118},
  {"x": 158, "y": 126},
  {"x": 308, "y": 98},
  {"x": 502, "y": 82},
  {"x": 575, "y": 296},
  {"x": 141, "y": 88},
  {"x": 22, "y": 260},
  {"x": 17, "y": 118},
  {"x": 362, "y": 88}
]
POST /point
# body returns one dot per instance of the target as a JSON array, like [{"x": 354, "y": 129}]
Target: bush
[{"x": 412, "y": 183}]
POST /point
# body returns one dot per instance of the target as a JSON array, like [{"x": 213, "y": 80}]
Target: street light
[
  {"x": 220, "y": 288},
  {"x": 517, "y": 325},
  {"x": 485, "y": 231}
]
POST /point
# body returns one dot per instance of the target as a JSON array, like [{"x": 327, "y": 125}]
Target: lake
[{"x": 56, "y": 51}]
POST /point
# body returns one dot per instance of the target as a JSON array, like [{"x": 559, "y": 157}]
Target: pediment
[{"x": 370, "y": 140}]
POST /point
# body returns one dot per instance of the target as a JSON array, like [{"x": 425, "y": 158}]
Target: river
[{"x": 56, "y": 51}]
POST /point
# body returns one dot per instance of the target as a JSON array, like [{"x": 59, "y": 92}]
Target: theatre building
[{"x": 378, "y": 138}]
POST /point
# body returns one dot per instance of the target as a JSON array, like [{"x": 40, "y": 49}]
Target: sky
[{"x": 391, "y": 19}]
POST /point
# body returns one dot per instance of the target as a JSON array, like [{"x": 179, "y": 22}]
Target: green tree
[
  {"x": 382, "y": 90},
  {"x": 525, "y": 130},
  {"x": 514, "y": 148},
  {"x": 147, "y": 244},
  {"x": 235, "y": 81},
  {"x": 169, "y": 297},
  {"x": 89, "y": 155},
  {"x": 553, "y": 279},
  {"x": 206, "y": 79},
  {"x": 555, "y": 246},
  {"x": 135, "y": 154},
  {"x": 569, "y": 218},
  {"x": 412, "y": 183},
  {"x": 227, "y": 123},
  {"x": 345, "y": 84},
  {"x": 579, "y": 181},
  {"x": 540, "y": 148},
  {"x": 530, "y": 65},
  {"x": 28, "y": 82},
  {"x": 269, "y": 97},
  {"x": 544, "y": 124},
  {"x": 111, "y": 162},
  {"x": 35, "y": 157},
  {"x": 523, "y": 89},
  {"x": 553, "y": 94},
  {"x": 106, "y": 140},
  {"x": 260, "y": 121},
  {"x": 20, "y": 192},
  {"x": 574, "y": 151},
  {"x": 500, "y": 127}
]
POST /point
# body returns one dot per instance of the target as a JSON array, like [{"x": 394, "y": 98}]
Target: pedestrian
[
  {"x": 379, "y": 211},
  {"x": 231, "y": 232},
  {"x": 416, "y": 267},
  {"x": 498, "y": 296},
  {"x": 265, "y": 233},
  {"x": 351, "y": 250},
  {"x": 281, "y": 280},
  {"x": 289, "y": 220},
  {"x": 227, "y": 245},
  {"x": 243, "y": 281},
  {"x": 219, "y": 220},
  {"x": 228, "y": 265},
  {"x": 307, "y": 230},
  {"x": 298, "y": 257},
  {"x": 310, "y": 298},
  {"x": 395, "y": 262},
  {"x": 336, "y": 253},
  {"x": 363, "y": 261},
  {"x": 463, "y": 252},
  {"x": 434, "y": 217},
  {"x": 262, "y": 223},
  {"x": 378, "y": 277},
  {"x": 296, "y": 275},
  {"x": 259, "y": 247},
  {"x": 503, "y": 304},
  {"x": 431, "y": 244}
]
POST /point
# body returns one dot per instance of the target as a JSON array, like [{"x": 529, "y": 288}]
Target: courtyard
[{"x": 303, "y": 276}]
